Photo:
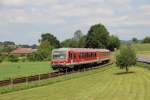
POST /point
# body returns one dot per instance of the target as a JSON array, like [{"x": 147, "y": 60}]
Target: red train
[{"x": 65, "y": 58}]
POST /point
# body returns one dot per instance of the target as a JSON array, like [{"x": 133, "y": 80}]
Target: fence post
[
  {"x": 27, "y": 81},
  {"x": 11, "y": 82},
  {"x": 39, "y": 78}
]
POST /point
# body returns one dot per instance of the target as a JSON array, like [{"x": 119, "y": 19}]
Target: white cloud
[
  {"x": 118, "y": 15},
  {"x": 146, "y": 9}
]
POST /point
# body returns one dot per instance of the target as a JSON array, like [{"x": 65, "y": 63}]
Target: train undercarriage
[{"x": 78, "y": 66}]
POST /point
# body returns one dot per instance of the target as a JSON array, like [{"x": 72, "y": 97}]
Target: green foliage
[
  {"x": 70, "y": 43},
  {"x": 78, "y": 41},
  {"x": 39, "y": 56},
  {"x": 113, "y": 43},
  {"x": 13, "y": 58},
  {"x": 1, "y": 60},
  {"x": 126, "y": 57},
  {"x": 81, "y": 42},
  {"x": 77, "y": 35},
  {"x": 47, "y": 43},
  {"x": 97, "y": 37},
  {"x": 7, "y": 46},
  {"x": 134, "y": 40},
  {"x": 146, "y": 40},
  {"x": 44, "y": 51},
  {"x": 51, "y": 39}
]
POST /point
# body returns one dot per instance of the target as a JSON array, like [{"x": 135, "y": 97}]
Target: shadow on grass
[{"x": 123, "y": 73}]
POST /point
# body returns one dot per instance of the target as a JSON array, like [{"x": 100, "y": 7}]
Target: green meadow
[
  {"x": 13, "y": 70},
  {"x": 111, "y": 84},
  {"x": 142, "y": 49},
  {"x": 108, "y": 83}
]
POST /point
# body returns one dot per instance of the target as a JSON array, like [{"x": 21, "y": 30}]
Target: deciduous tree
[
  {"x": 113, "y": 42},
  {"x": 126, "y": 57},
  {"x": 97, "y": 37}
]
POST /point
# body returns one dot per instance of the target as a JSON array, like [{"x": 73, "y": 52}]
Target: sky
[{"x": 23, "y": 21}]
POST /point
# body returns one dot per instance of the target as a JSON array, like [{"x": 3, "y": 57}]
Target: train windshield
[{"x": 59, "y": 55}]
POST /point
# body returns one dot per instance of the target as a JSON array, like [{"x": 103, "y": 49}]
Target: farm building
[{"x": 23, "y": 51}]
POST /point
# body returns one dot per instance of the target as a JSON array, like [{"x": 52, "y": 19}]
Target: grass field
[
  {"x": 143, "y": 49},
  {"x": 19, "y": 69},
  {"x": 111, "y": 84}
]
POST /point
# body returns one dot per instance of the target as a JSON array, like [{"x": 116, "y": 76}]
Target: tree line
[{"x": 97, "y": 37}]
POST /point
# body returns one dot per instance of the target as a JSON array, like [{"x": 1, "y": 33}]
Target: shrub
[{"x": 13, "y": 58}]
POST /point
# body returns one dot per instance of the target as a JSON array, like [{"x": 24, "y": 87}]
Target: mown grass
[
  {"x": 144, "y": 65},
  {"x": 11, "y": 88},
  {"x": 105, "y": 85},
  {"x": 142, "y": 48},
  {"x": 13, "y": 70}
]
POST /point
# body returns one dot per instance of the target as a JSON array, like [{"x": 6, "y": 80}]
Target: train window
[
  {"x": 82, "y": 55},
  {"x": 74, "y": 55},
  {"x": 79, "y": 55},
  {"x": 70, "y": 55},
  {"x": 90, "y": 54}
]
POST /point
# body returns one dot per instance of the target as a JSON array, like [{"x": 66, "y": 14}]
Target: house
[{"x": 23, "y": 51}]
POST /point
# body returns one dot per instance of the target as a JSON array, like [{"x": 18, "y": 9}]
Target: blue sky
[{"x": 23, "y": 21}]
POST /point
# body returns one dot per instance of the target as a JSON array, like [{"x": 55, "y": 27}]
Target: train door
[
  {"x": 71, "y": 57},
  {"x": 74, "y": 57}
]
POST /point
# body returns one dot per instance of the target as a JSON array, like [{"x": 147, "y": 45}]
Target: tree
[
  {"x": 8, "y": 43},
  {"x": 81, "y": 42},
  {"x": 44, "y": 50},
  {"x": 97, "y": 37},
  {"x": 134, "y": 40},
  {"x": 126, "y": 57},
  {"x": 146, "y": 40},
  {"x": 113, "y": 42},
  {"x": 7, "y": 46},
  {"x": 77, "y": 35},
  {"x": 47, "y": 43},
  {"x": 51, "y": 39},
  {"x": 70, "y": 43}
]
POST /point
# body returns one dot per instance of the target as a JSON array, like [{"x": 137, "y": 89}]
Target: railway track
[{"x": 46, "y": 76}]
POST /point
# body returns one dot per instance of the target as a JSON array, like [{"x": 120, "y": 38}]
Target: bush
[
  {"x": 13, "y": 58},
  {"x": 39, "y": 56}
]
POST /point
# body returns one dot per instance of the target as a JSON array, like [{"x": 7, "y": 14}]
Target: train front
[{"x": 59, "y": 59}]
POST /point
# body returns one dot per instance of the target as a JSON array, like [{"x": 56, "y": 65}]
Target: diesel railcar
[{"x": 65, "y": 58}]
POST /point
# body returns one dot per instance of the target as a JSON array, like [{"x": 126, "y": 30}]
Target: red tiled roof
[{"x": 23, "y": 51}]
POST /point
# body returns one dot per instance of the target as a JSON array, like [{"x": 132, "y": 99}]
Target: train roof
[{"x": 81, "y": 49}]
